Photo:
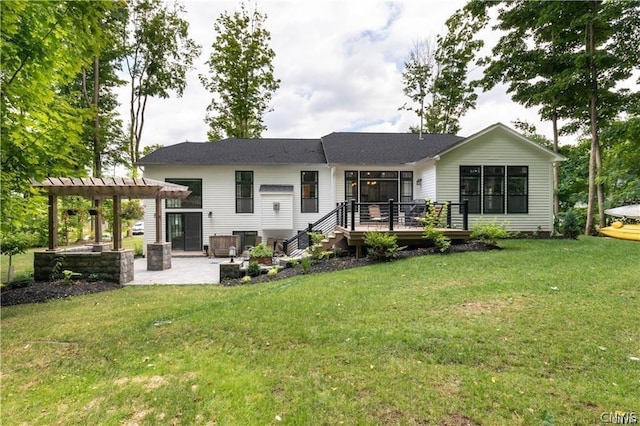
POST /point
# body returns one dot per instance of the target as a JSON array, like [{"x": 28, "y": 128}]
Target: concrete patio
[{"x": 184, "y": 270}]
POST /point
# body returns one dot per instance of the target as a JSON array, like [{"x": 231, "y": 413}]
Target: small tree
[
  {"x": 241, "y": 76},
  {"x": 12, "y": 244}
]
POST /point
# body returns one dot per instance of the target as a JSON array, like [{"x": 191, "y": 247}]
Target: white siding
[
  {"x": 277, "y": 211},
  {"x": 499, "y": 148},
  {"x": 427, "y": 176},
  {"x": 218, "y": 197}
]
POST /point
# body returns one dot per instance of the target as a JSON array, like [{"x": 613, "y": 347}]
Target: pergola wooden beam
[{"x": 101, "y": 188}]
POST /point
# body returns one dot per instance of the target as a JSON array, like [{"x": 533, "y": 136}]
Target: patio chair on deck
[{"x": 375, "y": 215}]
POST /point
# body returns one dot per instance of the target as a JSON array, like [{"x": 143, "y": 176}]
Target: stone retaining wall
[{"x": 113, "y": 266}]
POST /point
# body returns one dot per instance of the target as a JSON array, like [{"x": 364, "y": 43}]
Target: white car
[{"x": 138, "y": 228}]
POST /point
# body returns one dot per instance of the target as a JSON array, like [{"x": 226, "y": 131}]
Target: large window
[
  {"x": 378, "y": 187},
  {"x": 309, "y": 191},
  {"x": 470, "y": 187},
  {"x": 517, "y": 189},
  {"x": 493, "y": 183},
  {"x": 193, "y": 201},
  {"x": 489, "y": 190},
  {"x": 244, "y": 192}
]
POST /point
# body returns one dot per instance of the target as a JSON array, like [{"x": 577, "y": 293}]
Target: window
[
  {"x": 309, "y": 191},
  {"x": 493, "y": 182},
  {"x": 193, "y": 201},
  {"x": 247, "y": 239},
  {"x": 470, "y": 187},
  {"x": 517, "y": 189},
  {"x": 244, "y": 192},
  {"x": 351, "y": 186},
  {"x": 406, "y": 187},
  {"x": 378, "y": 187}
]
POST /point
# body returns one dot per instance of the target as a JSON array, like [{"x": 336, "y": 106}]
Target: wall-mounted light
[
  {"x": 210, "y": 214},
  {"x": 276, "y": 206},
  {"x": 419, "y": 182}
]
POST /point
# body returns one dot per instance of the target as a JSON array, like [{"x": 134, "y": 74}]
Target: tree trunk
[
  {"x": 556, "y": 172},
  {"x": 97, "y": 151}
]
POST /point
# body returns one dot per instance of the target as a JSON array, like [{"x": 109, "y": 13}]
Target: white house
[{"x": 275, "y": 188}]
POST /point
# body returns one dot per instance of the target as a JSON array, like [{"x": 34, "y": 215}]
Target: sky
[{"x": 340, "y": 64}]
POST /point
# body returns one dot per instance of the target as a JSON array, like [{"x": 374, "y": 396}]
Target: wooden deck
[{"x": 407, "y": 235}]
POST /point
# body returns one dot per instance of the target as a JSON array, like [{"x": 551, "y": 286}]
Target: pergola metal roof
[{"x": 97, "y": 188}]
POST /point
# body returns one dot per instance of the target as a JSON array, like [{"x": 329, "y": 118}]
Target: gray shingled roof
[
  {"x": 384, "y": 148},
  {"x": 335, "y": 148},
  {"x": 239, "y": 151}
]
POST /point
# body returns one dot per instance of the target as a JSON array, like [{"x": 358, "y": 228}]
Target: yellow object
[{"x": 621, "y": 231}]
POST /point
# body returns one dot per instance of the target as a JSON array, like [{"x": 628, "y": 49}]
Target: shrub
[
  {"x": 272, "y": 271},
  {"x": 246, "y": 279},
  {"x": 570, "y": 227},
  {"x": 315, "y": 249},
  {"x": 261, "y": 250},
  {"x": 305, "y": 262},
  {"x": 440, "y": 241},
  {"x": 489, "y": 232},
  {"x": 381, "y": 245},
  {"x": 137, "y": 251},
  {"x": 254, "y": 269}
]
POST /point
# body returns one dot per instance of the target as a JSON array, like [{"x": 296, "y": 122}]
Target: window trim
[
  {"x": 239, "y": 182},
  {"x": 314, "y": 184},
  {"x": 477, "y": 176},
  {"x": 191, "y": 197},
  {"x": 524, "y": 175}
]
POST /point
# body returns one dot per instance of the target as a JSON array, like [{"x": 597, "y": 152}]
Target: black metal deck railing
[{"x": 393, "y": 216}]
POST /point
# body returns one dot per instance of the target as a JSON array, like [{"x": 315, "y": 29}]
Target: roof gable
[{"x": 499, "y": 127}]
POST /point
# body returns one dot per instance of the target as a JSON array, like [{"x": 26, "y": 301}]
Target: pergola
[{"x": 99, "y": 189}]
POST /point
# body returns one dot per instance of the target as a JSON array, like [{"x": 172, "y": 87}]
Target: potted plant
[{"x": 261, "y": 254}]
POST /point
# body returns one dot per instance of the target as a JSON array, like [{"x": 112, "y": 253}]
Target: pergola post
[
  {"x": 97, "y": 224},
  {"x": 53, "y": 222},
  {"x": 117, "y": 223},
  {"x": 158, "y": 220}
]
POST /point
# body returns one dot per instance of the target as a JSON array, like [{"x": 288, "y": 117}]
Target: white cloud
[{"x": 340, "y": 65}]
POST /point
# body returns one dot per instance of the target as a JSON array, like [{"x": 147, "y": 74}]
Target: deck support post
[{"x": 391, "y": 211}]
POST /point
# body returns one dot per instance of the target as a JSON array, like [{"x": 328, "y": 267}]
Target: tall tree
[
  {"x": 44, "y": 47},
  {"x": 441, "y": 74},
  {"x": 556, "y": 55},
  {"x": 159, "y": 53},
  {"x": 241, "y": 76}
]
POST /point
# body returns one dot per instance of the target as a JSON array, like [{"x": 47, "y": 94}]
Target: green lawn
[
  {"x": 543, "y": 330},
  {"x": 23, "y": 263}
]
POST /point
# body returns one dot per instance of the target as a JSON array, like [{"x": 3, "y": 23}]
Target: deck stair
[{"x": 335, "y": 240}]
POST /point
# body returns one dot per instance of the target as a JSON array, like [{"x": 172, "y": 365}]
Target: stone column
[{"x": 158, "y": 256}]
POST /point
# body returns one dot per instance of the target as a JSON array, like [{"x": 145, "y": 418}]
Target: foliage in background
[
  {"x": 45, "y": 46},
  {"x": 241, "y": 77},
  {"x": 439, "y": 71},
  {"x": 381, "y": 245},
  {"x": 490, "y": 231},
  {"x": 158, "y": 53},
  {"x": 621, "y": 160},
  {"x": 568, "y": 58}
]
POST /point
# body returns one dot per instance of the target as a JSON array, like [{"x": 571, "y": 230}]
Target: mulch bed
[{"x": 39, "y": 292}]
